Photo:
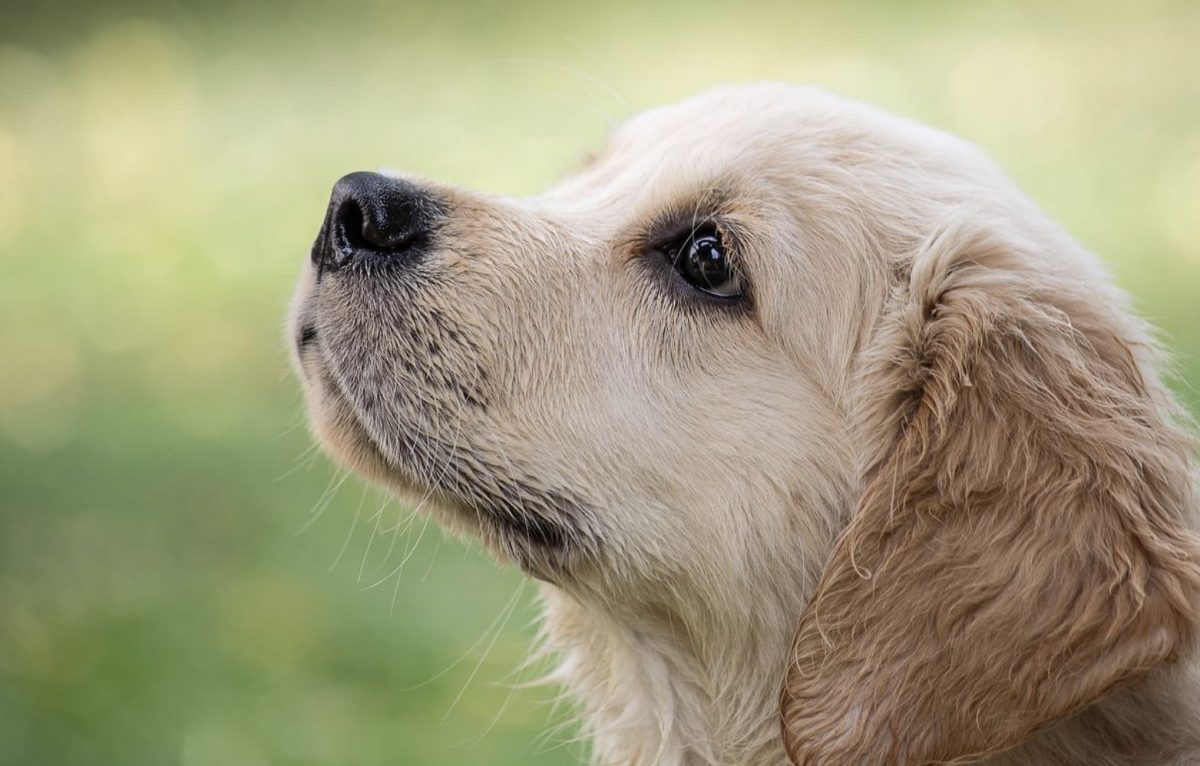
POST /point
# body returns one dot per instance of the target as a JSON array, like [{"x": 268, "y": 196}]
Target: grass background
[{"x": 176, "y": 584}]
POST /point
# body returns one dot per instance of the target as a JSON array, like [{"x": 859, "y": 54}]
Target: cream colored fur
[{"x": 925, "y": 480}]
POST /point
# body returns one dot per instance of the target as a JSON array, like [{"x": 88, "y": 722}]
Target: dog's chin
[{"x": 541, "y": 548}]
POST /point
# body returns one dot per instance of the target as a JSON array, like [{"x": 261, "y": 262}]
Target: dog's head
[{"x": 772, "y": 346}]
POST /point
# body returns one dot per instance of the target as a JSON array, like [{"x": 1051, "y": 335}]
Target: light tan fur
[{"x": 925, "y": 480}]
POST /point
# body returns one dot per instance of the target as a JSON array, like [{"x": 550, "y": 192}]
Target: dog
[{"x": 826, "y": 444}]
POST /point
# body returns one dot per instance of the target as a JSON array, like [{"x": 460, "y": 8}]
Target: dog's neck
[
  {"x": 650, "y": 693},
  {"x": 654, "y": 689}
]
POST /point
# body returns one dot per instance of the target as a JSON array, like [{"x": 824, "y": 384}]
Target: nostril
[{"x": 348, "y": 230}]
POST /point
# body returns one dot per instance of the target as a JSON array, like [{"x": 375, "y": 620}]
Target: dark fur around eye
[{"x": 697, "y": 256}]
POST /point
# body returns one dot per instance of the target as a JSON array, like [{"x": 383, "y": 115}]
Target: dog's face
[
  {"x": 768, "y": 337},
  {"x": 643, "y": 367},
  {"x": 595, "y": 373}
]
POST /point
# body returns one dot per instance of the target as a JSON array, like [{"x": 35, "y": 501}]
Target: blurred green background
[{"x": 182, "y": 580}]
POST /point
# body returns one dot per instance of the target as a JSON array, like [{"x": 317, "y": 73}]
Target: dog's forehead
[
  {"x": 763, "y": 146},
  {"x": 724, "y": 118},
  {"x": 739, "y": 135},
  {"x": 722, "y": 135},
  {"x": 719, "y": 132}
]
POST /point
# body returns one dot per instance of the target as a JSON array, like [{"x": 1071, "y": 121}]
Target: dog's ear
[{"x": 1021, "y": 544}]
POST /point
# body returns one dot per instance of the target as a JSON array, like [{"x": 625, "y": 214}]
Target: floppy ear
[{"x": 1022, "y": 541}]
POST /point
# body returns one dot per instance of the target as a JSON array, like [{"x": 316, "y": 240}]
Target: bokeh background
[{"x": 182, "y": 579}]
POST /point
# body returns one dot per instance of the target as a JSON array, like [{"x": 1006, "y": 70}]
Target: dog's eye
[{"x": 702, "y": 262}]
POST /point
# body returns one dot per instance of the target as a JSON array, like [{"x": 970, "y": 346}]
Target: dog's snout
[{"x": 374, "y": 216}]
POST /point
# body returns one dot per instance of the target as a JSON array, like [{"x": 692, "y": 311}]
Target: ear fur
[{"x": 1022, "y": 543}]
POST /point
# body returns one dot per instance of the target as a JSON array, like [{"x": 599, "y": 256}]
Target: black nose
[{"x": 373, "y": 217}]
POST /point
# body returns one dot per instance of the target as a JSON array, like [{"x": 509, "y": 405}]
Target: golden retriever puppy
[{"x": 826, "y": 444}]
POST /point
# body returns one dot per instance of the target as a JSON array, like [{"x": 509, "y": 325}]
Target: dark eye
[{"x": 702, "y": 261}]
